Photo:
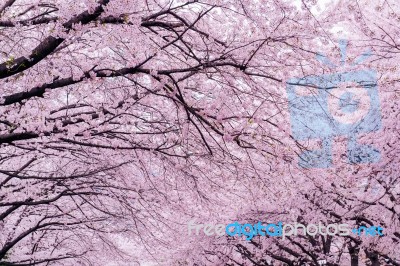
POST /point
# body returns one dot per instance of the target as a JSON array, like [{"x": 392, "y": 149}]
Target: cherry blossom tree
[
  {"x": 358, "y": 194},
  {"x": 121, "y": 120}
]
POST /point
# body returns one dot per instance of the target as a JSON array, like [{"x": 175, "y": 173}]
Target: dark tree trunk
[
  {"x": 354, "y": 251},
  {"x": 373, "y": 258}
]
